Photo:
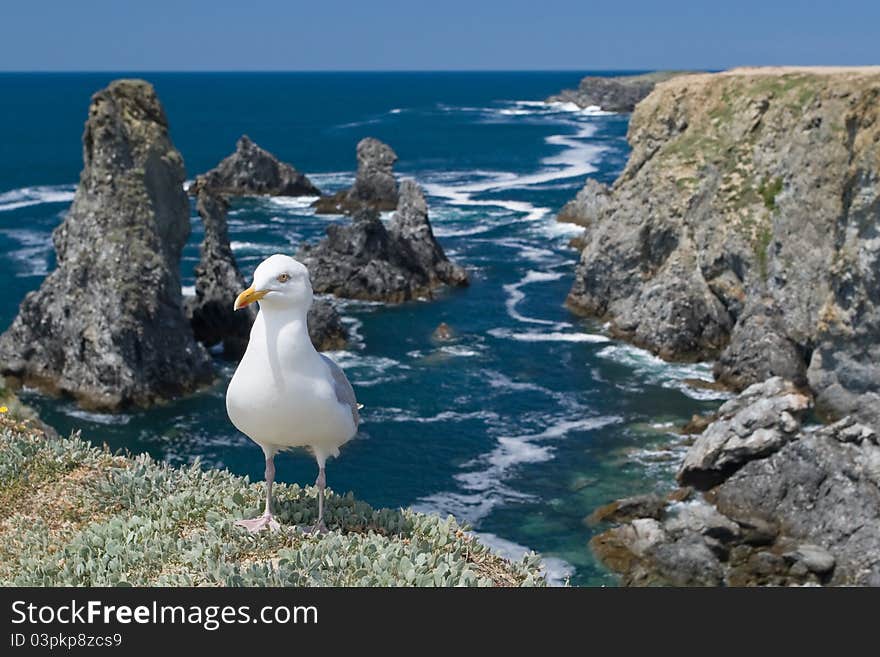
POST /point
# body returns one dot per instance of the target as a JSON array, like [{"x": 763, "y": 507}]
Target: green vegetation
[
  {"x": 769, "y": 190},
  {"x": 761, "y": 244},
  {"x": 76, "y": 515}
]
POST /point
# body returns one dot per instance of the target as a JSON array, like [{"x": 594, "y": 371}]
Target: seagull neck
[{"x": 293, "y": 322}]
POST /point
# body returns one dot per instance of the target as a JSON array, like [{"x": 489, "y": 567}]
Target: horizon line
[{"x": 426, "y": 70}]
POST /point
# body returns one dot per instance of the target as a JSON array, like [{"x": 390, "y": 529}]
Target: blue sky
[{"x": 156, "y": 35}]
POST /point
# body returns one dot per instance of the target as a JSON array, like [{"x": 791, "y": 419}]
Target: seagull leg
[
  {"x": 267, "y": 520},
  {"x": 321, "y": 483}
]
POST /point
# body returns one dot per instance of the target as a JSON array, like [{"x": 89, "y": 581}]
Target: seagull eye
[{"x": 283, "y": 278}]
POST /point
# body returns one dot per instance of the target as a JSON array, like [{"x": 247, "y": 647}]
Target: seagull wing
[{"x": 344, "y": 391}]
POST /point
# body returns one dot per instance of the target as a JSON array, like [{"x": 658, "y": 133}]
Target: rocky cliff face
[
  {"x": 218, "y": 282},
  {"x": 618, "y": 93},
  {"x": 107, "y": 326},
  {"x": 374, "y": 187},
  {"x": 366, "y": 260},
  {"x": 772, "y": 503},
  {"x": 253, "y": 171},
  {"x": 745, "y": 228}
]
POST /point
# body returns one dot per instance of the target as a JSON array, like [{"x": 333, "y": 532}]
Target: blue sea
[{"x": 522, "y": 425}]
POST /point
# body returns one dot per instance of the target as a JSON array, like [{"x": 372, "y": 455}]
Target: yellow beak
[{"x": 249, "y": 296}]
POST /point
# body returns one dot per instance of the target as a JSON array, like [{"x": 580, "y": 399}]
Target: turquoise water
[{"x": 525, "y": 423}]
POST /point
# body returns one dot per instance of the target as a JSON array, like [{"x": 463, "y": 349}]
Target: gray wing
[{"x": 344, "y": 391}]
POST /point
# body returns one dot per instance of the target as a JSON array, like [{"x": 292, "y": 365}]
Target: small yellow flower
[{"x": 3, "y": 409}]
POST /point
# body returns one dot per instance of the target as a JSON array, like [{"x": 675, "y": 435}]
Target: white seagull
[{"x": 285, "y": 394}]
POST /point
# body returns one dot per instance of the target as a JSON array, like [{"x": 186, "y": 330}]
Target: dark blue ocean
[{"x": 525, "y": 423}]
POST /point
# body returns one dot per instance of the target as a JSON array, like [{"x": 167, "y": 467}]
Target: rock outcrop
[
  {"x": 374, "y": 187},
  {"x": 218, "y": 281},
  {"x": 779, "y": 504},
  {"x": 744, "y": 228},
  {"x": 588, "y": 206},
  {"x": 618, "y": 93},
  {"x": 253, "y": 171},
  {"x": 107, "y": 325},
  {"x": 366, "y": 260}
]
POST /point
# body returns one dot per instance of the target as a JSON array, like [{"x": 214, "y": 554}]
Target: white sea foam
[
  {"x": 515, "y": 295},
  {"x": 459, "y": 350},
  {"x": 188, "y": 290},
  {"x": 253, "y": 247},
  {"x": 33, "y": 254},
  {"x": 552, "y": 336},
  {"x": 556, "y": 571},
  {"x": 332, "y": 179},
  {"x": 657, "y": 371},
  {"x": 440, "y": 231},
  {"x": 98, "y": 418},
  {"x": 27, "y": 196},
  {"x": 366, "y": 371},
  {"x": 392, "y": 414},
  {"x": 291, "y": 202},
  {"x": 485, "y": 488}
]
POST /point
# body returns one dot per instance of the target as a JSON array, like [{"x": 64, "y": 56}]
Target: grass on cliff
[{"x": 72, "y": 514}]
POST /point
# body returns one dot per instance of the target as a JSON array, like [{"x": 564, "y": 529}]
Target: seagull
[{"x": 284, "y": 394}]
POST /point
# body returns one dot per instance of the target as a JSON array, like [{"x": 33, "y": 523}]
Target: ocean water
[{"x": 519, "y": 427}]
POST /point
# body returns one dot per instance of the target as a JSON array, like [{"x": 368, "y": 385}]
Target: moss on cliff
[{"x": 71, "y": 514}]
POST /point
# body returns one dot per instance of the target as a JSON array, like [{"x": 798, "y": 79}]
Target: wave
[
  {"x": 391, "y": 414},
  {"x": 28, "y": 196},
  {"x": 556, "y": 571},
  {"x": 656, "y": 371},
  {"x": 254, "y": 246},
  {"x": 515, "y": 295},
  {"x": 291, "y": 202},
  {"x": 35, "y": 251},
  {"x": 367, "y": 371},
  {"x": 553, "y": 336},
  {"x": 486, "y": 487},
  {"x": 98, "y": 418}
]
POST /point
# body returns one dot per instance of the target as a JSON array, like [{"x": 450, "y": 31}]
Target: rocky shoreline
[
  {"x": 616, "y": 93},
  {"x": 742, "y": 231}
]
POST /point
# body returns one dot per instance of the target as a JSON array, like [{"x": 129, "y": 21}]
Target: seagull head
[{"x": 279, "y": 282}]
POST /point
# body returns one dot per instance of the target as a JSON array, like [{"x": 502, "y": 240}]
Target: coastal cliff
[
  {"x": 613, "y": 93},
  {"x": 744, "y": 230}
]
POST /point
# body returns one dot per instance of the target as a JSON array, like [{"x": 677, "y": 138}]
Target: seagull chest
[{"x": 275, "y": 406}]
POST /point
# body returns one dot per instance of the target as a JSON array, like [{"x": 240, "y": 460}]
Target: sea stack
[
  {"x": 374, "y": 187},
  {"x": 218, "y": 282},
  {"x": 253, "y": 171},
  {"x": 107, "y": 326},
  {"x": 366, "y": 260},
  {"x": 741, "y": 230}
]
